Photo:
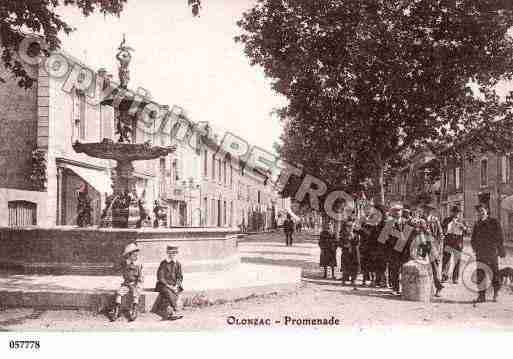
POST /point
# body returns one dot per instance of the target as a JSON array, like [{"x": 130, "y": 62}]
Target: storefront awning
[{"x": 99, "y": 180}]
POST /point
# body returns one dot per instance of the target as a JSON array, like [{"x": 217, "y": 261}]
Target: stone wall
[{"x": 18, "y": 131}]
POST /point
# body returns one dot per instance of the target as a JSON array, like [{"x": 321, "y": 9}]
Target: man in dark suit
[
  {"x": 288, "y": 228},
  {"x": 169, "y": 282},
  {"x": 488, "y": 244}
]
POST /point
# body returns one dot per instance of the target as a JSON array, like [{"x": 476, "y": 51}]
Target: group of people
[
  {"x": 378, "y": 242},
  {"x": 169, "y": 283}
]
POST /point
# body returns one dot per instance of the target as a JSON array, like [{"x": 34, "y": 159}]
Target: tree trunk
[{"x": 380, "y": 185}]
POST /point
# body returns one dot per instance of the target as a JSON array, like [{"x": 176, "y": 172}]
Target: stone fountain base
[{"x": 97, "y": 251}]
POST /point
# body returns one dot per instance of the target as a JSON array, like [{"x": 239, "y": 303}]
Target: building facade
[
  {"x": 485, "y": 179},
  {"x": 232, "y": 194},
  {"x": 463, "y": 182}
]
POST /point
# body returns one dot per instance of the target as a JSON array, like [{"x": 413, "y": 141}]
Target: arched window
[{"x": 22, "y": 213}]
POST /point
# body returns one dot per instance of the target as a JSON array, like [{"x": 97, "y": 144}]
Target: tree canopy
[
  {"x": 369, "y": 81},
  {"x": 41, "y": 17}
]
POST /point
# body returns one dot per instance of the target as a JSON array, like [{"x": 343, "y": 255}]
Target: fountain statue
[
  {"x": 123, "y": 206},
  {"x": 84, "y": 209}
]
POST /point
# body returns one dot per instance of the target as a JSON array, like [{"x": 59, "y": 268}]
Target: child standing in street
[
  {"x": 328, "y": 250},
  {"x": 350, "y": 252},
  {"x": 132, "y": 283}
]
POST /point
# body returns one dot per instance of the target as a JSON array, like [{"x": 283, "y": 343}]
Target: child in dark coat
[
  {"x": 350, "y": 240},
  {"x": 169, "y": 282},
  {"x": 328, "y": 251}
]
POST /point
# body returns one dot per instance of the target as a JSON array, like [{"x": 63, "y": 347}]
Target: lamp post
[{"x": 188, "y": 188}]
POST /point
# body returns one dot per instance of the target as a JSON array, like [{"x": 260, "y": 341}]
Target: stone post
[{"x": 416, "y": 281}]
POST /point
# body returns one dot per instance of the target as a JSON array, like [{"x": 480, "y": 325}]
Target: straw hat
[{"x": 132, "y": 247}]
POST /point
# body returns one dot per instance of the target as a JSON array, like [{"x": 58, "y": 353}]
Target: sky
[{"x": 190, "y": 62}]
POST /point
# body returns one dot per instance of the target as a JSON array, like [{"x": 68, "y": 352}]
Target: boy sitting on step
[
  {"x": 169, "y": 282},
  {"x": 132, "y": 282}
]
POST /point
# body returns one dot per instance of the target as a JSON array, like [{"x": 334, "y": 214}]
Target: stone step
[
  {"x": 97, "y": 293},
  {"x": 101, "y": 301}
]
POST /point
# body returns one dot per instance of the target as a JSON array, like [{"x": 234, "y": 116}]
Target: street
[{"x": 313, "y": 305}]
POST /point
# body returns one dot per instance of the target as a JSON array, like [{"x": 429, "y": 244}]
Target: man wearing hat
[
  {"x": 132, "y": 282},
  {"x": 169, "y": 282},
  {"x": 288, "y": 229},
  {"x": 454, "y": 230},
  {"x": 392, "y": 255},
  {"x": 407, "y": 214},
  {"x": 488, "y": 244}
]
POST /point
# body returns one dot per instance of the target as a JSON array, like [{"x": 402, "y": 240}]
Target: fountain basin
[
  {"x": 122, "y": 152},
  {"x": 97, "y": 251}
]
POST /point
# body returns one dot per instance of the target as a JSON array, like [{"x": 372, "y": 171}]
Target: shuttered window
[{"x": 22, "y": 213}]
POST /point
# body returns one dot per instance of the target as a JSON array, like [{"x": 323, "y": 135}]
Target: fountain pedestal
[
  {"x": 123, "y": 209},
  {"x": 127, "y": 215}
]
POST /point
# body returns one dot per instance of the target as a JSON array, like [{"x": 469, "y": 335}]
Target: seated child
[
  {"x": 169, "y": 282},
  {"x": 132, "y": 282}
]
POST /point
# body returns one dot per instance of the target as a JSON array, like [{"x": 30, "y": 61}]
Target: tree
[
  {"x": 41, "y": 17},
  {"x": 373, "y": 80}
]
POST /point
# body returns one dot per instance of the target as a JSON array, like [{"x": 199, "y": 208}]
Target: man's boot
[
  {"x": 169, "y": 312},
  {"x": 482, "y": 297},
  {"x": 495, "y": 294},
  {"x": 177, "y": 314},
  {"x": 133, "y": 313},
  {"x": 114, "y": 313}
]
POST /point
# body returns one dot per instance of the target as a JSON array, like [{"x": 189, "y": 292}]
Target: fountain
[{"x": 122, "y": 208}]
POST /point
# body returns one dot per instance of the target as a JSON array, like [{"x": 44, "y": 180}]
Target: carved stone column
[{"x": 124, "y": 184}]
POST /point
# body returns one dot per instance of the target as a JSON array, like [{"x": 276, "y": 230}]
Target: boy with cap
[
  {"x": 350, "y": 243},
  {"x": 169, "y": 282},
  {"x": 132, "y": 282},
  {"x": 328, "y": 247}
]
